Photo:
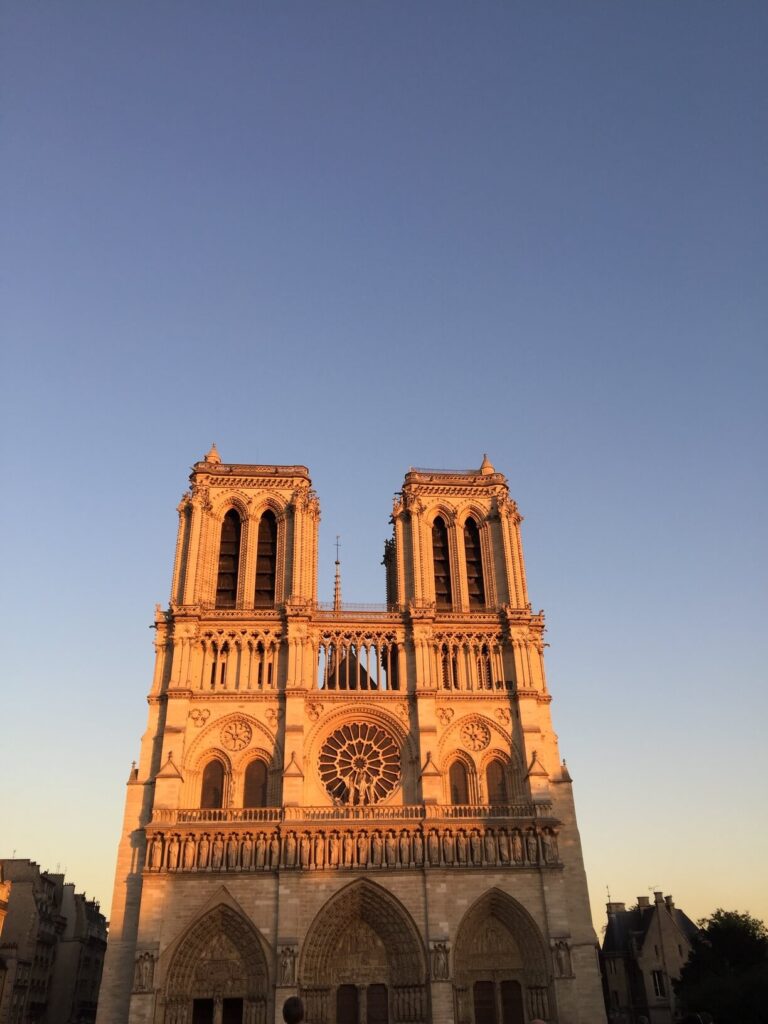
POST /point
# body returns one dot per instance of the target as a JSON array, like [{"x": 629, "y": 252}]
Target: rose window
[
  {"x": 360, "y": 763},
  {"x": 236, "y": 735},
  {"x": 476, "y": 735}
]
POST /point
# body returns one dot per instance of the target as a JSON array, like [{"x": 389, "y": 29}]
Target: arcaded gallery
[{"x": 364, "y": 806}]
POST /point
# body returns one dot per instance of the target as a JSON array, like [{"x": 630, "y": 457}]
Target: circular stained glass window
[{"x": 360, "y": 763}]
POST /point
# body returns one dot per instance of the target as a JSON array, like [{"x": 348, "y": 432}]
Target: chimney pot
[{"x": 643, "y": 901}]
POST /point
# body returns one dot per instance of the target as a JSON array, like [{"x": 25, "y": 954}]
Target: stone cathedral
[{"x": 361, "y": 805}]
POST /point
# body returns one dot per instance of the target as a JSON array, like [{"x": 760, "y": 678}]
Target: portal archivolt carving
[{"x": 220, "y": 956}]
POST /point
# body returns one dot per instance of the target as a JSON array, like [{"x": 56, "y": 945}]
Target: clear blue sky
[{"x": 369, "y": 236}]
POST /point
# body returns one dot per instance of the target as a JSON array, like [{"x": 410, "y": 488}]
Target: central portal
[{"x": 363, "y": 961}]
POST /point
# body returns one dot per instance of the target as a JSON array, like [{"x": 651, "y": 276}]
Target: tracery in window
[
  {"x": 212, "y": 791},
  {"x": 475, "y": 585},
  {"x": 359, "y": 763},
  {"x": 458, "y": 782},
  {"x": 255, "y": 788},
  {"x": 266, "y": 561},
  {"x": 496, "y": 782},
  {"x": 229, "y": 561},
  {"x": 442, "y": 564}
]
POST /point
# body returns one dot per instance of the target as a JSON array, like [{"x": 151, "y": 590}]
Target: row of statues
[{"x": 376, "y": 848}]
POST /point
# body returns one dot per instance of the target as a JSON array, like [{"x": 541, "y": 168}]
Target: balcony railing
[{"x": 347, "y": 813}]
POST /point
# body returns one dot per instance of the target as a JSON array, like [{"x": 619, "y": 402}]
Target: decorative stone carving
[
  {"x": 314, "y": 711},
  {"x": 475, "y": 735},
  {"x": 143, "y": 972},
  {"x": 359, "y": 763},
  {"x": 236, "y": 735},
  {"x": 445, "y": 715},
  {"x": 549, "y": 846},
  {"x": 503, "y": 716},
  {"x": 199, "y": 716},
  {"x": 439, "y": 961},
  {"x": 189, "y": 853}
]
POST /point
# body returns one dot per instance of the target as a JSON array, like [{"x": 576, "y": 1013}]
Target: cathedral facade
[{"x": 364, "y": 806}]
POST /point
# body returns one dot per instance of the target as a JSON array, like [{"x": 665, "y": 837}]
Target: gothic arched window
[
  {"x": 266, "y": 561},
  {"x": 212, "y": 792},
  {"x": 442, "y": 564},
  {"x": 457, "y": 779},
  {"x": 475, "y": 585},
  {"x": 496, "y": 782},
  {"x": 255, "y": 790},
  {"x": 229, "y": 561}
]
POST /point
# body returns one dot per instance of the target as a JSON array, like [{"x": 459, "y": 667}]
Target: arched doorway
[
  {"x": 363, "y": 960},
  {"x": 218, "y": 973},
  {"x": 501, "y": 968}
]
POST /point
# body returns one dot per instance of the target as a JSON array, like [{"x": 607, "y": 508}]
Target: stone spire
[
  {"x": 486, "y": 467},
  {"x": 213, "y": 455}
]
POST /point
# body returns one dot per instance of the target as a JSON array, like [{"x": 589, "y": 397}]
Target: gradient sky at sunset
[{"x": 368, "y": 236}]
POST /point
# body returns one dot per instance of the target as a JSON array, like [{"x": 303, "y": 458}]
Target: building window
[
  {"x": 496, "y": 781},
  {"x": 229, "y": 561},
  {"x": 255, "y": 789},
  {"x": 212, "y": 793},
  {"x": 266, "y": 561},
  {"x": 457, "y": 779},
  {"x": 475, "y": 585},
  {"x": 442, "y": 564},
  {"x": 659, "y": 988}
]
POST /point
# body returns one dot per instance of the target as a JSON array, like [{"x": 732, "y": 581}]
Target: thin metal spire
[{"x": 337, "y": 580}]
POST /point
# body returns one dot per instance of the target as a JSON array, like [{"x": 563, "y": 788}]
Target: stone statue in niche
[
  {"x": 274, "y": 851},
  {"x": 533, "y": 848},
  {"x": 189, "y": 853},
  {"x": 490, "y": 846},
  {"x": 143, "y": 973},
  {"x": 319, "y": 850},
  {"x": 405, "y": 849},
  {"x": 476, "y": 847},
  {"x": 391, "y": 849},
  {"x": 333, "y": 850},
  {"x": 503, "y": 846},
  {"x": 287, "y": 965},
  {"x": 418, "y": 849},
  {"x": 448, "y": 846},
  {"x": 304, "y": 848},
  {"x": 440, "y": 961},
  {"x": 247, "y": 852},
  {"x": 377, "y": 849},
  {"x": 232, "y": 852},
  {"x": 261, "y": 850},
  {"x": 156, "y": 853},
  {"x": 217, "y": 853},
  {"x": 549, "y": 844},
  {"x": 517, "y": 848},
  {"x": 433, "y": 847},
  {"x": 173, "y": 853},
  {"x": 203, "y": 849},
  {"x": 290, "y": 850},
  {"x": 562, "y": 959},
  {"x": 362, "y": 849},
  {"x": 461, "y": 847},
  {"x": 349, "y": 850}
]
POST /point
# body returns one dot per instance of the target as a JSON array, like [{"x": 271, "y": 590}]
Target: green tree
[{"x": 727, "y": 971}]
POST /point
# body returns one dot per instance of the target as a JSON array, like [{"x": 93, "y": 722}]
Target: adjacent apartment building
[
  {"x": 643, "y": 951},
  {"x": 52, "y": 948}
]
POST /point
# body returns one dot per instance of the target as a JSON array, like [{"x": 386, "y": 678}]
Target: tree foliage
[{"x": 727, "y": 971}]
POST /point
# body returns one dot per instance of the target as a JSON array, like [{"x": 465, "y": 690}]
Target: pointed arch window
[
  {"x": 229, "y": 561},
  {"x": 496, "y": 783},
  {"x": 212, "y": 792},
  {"x": 255, "y": 790},
  {"x": 459, "y": 784},
  {"x": 475, "y": 584},
  {"x": 266, "y": 561},
  {"x": 442, "y": 563}
]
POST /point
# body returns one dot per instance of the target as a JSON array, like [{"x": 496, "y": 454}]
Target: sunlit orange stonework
[{"x": 364, "y": 806}]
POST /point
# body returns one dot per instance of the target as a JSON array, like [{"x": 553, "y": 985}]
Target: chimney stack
[
  {"x": 615, "y": 908},
  {"x": 643, "y": 902}
]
